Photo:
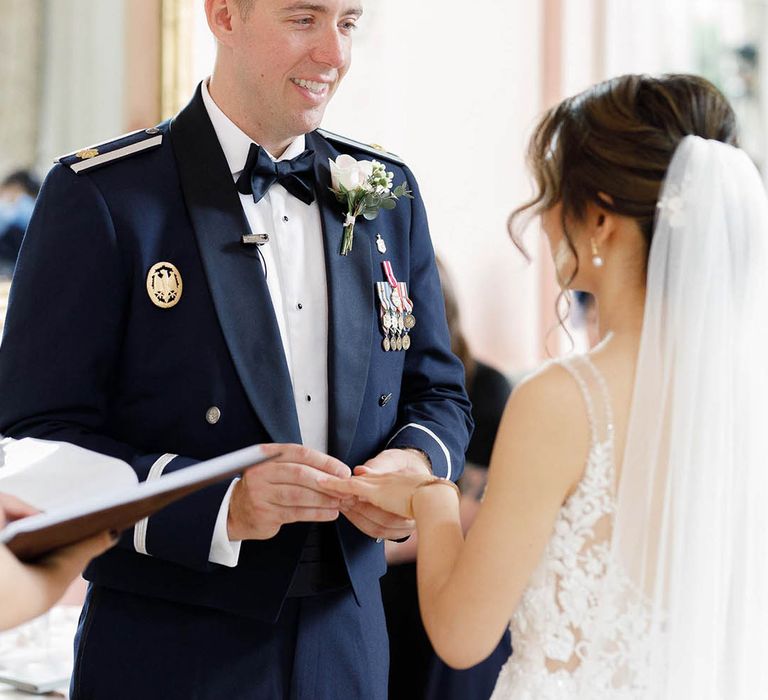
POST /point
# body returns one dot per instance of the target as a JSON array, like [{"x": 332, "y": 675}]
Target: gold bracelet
[{"x": 432, "y": 481}]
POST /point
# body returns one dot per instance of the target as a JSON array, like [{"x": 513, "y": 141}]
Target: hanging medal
[
  {"x": 385, "y": 316},
  {"x": 409, "y": 321},
  {"x": 397, "y": 304}
]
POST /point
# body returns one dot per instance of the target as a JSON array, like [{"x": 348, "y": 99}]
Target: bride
[{"x": 623, "y": 532}]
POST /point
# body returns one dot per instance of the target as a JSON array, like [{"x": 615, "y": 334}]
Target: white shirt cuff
[{"x": 223, "y": 550}]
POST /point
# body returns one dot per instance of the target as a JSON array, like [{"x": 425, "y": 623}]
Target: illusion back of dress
[{"x": 557, "y": 655}]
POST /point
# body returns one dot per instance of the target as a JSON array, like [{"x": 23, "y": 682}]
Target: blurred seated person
[
  {"x": 28, "y": 590},
  {"x": 415, "y": 670},
  {"x": 586, "y": 316},
  {"x": 18, "y": 192}
]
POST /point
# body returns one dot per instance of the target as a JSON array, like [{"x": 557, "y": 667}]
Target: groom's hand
[
  {"x": 283, "y": 490},
  {"x": 374, "y": 521}
]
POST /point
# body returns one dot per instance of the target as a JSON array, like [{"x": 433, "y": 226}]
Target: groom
[{"x": 180, "y": 295}]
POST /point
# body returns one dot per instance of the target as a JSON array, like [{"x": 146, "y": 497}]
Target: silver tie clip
[{"x": 255, "y": 238}]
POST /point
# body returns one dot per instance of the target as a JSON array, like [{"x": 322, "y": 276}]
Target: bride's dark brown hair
[{"x": 618, "y": 138}]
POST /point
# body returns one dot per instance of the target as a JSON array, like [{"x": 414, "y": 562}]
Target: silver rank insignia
[{"x": 164, "y": 285}]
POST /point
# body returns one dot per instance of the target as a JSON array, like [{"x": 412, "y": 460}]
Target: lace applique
[
  {"x": 673, "y": 203},
  {"x": 558, "y": 652}
]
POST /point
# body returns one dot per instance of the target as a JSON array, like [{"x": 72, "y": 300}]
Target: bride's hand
[{"x": 390, "y": 491}]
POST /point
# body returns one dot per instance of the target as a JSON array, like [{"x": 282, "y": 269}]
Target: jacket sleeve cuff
[
  {"x": 422, "y": 438},
  {"x": 181, "y": 532},
  {"x": 140, "y": 528},
  {"x": 224, "y": 551}
]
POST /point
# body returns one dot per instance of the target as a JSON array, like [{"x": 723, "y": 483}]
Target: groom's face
[{"x": 290, "y": 56}]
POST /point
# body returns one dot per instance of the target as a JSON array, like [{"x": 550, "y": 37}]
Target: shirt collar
[{"x": 234, "y": 142}]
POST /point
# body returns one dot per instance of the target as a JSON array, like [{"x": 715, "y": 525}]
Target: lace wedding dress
[{"x": 558, "y": 630}]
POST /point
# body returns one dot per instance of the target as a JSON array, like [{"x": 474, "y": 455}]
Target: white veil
[{"x": 691, "y": 527}]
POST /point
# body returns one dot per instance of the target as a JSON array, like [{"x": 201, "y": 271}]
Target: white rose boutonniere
[{"x": 365, "y": 187}]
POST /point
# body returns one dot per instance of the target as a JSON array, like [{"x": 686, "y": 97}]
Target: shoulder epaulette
[
  {"x": 112, "y": 150},
  {"x": 371, "y": 148}
]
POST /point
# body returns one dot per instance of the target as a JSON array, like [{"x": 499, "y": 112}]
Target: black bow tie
[{"x": 261, "y": 172}]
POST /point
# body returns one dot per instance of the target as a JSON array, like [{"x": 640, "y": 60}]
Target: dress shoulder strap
[{"x": 595, "y": 392}]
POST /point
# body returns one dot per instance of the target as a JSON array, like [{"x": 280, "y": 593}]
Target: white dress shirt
[{"x": 296, "y": 278}]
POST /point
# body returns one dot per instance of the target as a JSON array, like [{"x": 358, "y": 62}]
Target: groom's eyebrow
[{"x": 355, "y": 10}]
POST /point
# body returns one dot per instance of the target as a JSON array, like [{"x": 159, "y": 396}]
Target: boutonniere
[{"x": 365, "y": 187}]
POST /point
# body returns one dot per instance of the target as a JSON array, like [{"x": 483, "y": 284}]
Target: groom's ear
[{"x": 219, "y": 15}]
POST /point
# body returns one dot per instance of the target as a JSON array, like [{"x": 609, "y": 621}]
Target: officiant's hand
[
  {"x": 28, "y": 590},
  {"x": 283, "y": 490},
  {"x": 11, "y": 508},
  {"x": 380, "y": 512}
]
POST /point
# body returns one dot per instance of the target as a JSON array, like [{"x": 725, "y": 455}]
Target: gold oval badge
[
  {"x": 87, "y": 153},
  {"x": 164, "y": 285}
]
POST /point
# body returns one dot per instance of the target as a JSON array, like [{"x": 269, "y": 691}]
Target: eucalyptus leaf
[
  {"x": 401, "y": 190},
  {"x": 355, "y": 201},
  {"x": 388, "y": 204},
  {"x": 370, "y": 214}
]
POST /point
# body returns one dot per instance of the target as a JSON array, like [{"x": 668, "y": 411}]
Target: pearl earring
[{"x": 597, "y": 261}]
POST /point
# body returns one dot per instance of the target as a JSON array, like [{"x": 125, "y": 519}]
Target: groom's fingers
[
  {"x": 341, "y": 487},
  {"x": 277, "y": 473},
  {"x": 300, "y": 454},
  {"x": 283, "y": 489},
  {"x": 300, "y": 497},
  {"x": 306, "y": 515}
]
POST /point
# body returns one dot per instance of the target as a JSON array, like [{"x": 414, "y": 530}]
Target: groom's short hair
[{"x": 244, "y": 7}]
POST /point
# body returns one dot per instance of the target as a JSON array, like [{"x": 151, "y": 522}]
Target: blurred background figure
[
  {"x": 585, "y": 317},
  {"x": 415, "y": 670},
  {"x": 18, "y": 192}
]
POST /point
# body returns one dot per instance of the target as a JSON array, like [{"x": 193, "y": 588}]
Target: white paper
[
  {"x": 47, "y": 474},
  {"x": 218, "y": 467}
]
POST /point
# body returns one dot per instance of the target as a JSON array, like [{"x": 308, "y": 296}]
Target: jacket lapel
[
  {"x": 238, "y": 287},
  {"x": 350, "y": 308}
]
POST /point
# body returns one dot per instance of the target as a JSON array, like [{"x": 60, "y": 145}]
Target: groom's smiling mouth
[{"x": 313, "y": 86}]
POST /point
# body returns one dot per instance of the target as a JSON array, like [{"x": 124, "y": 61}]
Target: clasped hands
[{"x": 299, "y": 484}]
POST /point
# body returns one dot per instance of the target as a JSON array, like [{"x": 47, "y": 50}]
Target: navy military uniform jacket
[{"x": 88, "y": 358}]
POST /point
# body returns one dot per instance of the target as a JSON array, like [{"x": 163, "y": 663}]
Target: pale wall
[
  {"x": 83, "y": 82},
  {"x": 454, "y": 91}
]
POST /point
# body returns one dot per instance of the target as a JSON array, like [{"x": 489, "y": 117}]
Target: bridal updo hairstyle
[{"x": 618, "y": 138}]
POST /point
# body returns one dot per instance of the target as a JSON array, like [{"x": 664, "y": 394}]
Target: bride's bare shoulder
[
  {"x": 545, "y": 421},
  {"x": 551, "y": 388}
]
